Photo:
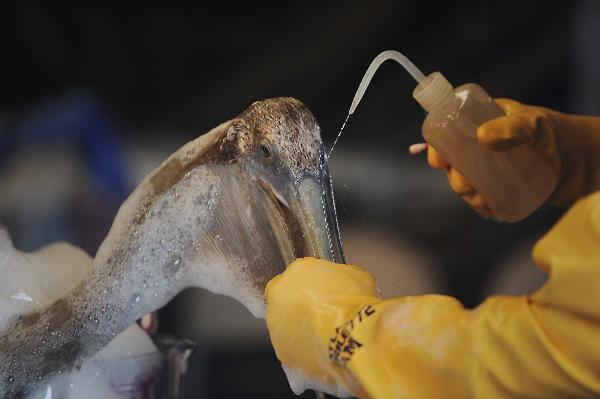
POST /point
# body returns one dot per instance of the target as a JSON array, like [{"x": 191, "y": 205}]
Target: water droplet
[{"x": 136, "y": 297}]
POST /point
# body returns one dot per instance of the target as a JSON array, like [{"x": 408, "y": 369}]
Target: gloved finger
[
  {"x": 478, "y": 204},
  {"x": 542, "y": 137},
  {"x": 486, "y": 212},
  {"x": 435, "y": 160},
  {"x": 507, "y": 132},
  {"x": 475, "y": 200},
  {"x": 458, "y": 183},
  {"x": 510, "y": 107},
  {"x": 269, "y": 288}
]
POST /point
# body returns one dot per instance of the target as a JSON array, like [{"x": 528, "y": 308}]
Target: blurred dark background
[{"x": 93, "y": 96}]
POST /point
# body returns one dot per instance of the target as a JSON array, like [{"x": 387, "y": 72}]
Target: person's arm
[
  {"x": 327, "y": 321},
  {"x": 570, "y": 143}
]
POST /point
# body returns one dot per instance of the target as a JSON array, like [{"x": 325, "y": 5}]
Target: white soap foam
[
  {"x": 23, "y": 291},
  {"x": 300, "y": 382},
  {"x": 217, "y": 277},
  {"x": 87, "y": 383},
  {"x": 39, "y": 278},
  {"x": 189, "y": 210},
  {"x": 118, "y": 371},
  {"x": 176, "y": 231},
  {"x": 167, "y": 234},
  {"x": 144, "y": 283}
]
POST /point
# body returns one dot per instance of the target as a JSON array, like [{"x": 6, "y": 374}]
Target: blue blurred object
[
  {"x": 77, "y": 121},
  {"x": 76, "y": 118}
]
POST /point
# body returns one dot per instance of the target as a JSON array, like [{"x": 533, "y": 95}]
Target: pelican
[{"x": 226, "y": 212}]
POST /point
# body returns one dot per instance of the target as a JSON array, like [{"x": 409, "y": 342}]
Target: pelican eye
[{"x": 265, "y": 151}]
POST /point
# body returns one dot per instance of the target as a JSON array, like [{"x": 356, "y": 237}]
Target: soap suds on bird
[{"x": 39, "y": 278}]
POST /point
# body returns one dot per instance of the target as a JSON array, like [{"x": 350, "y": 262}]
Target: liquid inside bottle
[{"x": 513, "y": 183}]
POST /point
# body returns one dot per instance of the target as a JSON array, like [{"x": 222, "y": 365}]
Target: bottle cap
[{"x": 434, "y": 91}]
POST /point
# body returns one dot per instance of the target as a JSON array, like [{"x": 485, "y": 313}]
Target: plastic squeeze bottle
[{"x": 514, "y": 183}]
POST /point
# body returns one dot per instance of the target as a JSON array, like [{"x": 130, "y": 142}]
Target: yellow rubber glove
[
  {"x": 570, "y": 143},
  {"x": 327, "y": 321},
  {"x": 336, "y": 290}
]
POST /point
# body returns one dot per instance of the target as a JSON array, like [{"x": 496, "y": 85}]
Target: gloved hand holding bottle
[
  {"x": 569, "y": 143},
  {"x": 504, "y": 158}
]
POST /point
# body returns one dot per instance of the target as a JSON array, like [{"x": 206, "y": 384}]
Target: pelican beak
[{"x": 307, "y": 222}]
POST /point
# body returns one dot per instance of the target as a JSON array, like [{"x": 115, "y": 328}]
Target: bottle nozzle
[{"x": 380, "y": 59}]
